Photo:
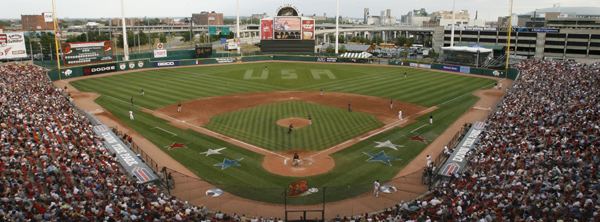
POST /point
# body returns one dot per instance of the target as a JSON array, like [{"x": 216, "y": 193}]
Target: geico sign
[
  {"x": 165, "y": 64},
  {"x": 103, "y": 69}
]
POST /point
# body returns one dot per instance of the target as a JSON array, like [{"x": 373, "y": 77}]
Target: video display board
[
  {"x": 79, "y": 53},
  {"x": 287, "y": 28}
]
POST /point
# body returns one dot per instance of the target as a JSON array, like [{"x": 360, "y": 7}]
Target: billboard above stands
[
  {"x": 160, "y": 53},
  {"x": 48, "y": 17},
  {"x": 12, "y": 45},
  {"x": 266, "y": 29},
  {"x": 79, "y": 53},
  {"x": 287, "y": 28},
  {"x": 308, "y": 29}
]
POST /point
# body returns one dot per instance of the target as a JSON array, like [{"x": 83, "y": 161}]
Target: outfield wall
[{"x": 72, "y": 72}]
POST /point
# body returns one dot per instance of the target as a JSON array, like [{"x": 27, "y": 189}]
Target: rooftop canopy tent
[
  {"x": 354, "y": 55},
  {"x": 466, "y": 55}
]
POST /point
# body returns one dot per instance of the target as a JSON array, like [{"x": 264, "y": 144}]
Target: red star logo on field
[
  {"x": 176, "y": 146},
  {"x": 419, "y": 138}
]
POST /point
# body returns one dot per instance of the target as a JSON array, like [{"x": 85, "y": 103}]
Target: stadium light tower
[
  {"x": 337, "y": 26},
  {"x": 453, "y": 23},
  {"x": 125, "y": 45},
  {"x": 237, "y": 26}
]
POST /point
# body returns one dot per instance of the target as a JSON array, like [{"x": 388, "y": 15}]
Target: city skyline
[{"x": 487, "y": 9}]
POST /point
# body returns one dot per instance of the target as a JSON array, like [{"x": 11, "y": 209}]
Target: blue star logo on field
[
  {"x": 380, "y": 157},
  {"x": 388, "y": 144},
  {"x": 227, "y": 163},
  {"x": 213, "y": 152}
]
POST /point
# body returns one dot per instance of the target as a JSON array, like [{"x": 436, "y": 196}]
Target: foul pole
[
  {"x": 337, "y": 26},
  {"x": 56, "y": 36},
  {"x": 509, "y": 31},
  {"x": 125, "y": 45}
]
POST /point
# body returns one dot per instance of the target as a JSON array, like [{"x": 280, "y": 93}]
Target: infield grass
[{"x": 352, "y": 174}]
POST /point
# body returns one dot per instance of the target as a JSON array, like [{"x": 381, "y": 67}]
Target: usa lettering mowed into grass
[{"x": 352, "y": 174}]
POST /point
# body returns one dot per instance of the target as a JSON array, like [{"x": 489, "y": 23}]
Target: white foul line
[
  {"x": 418, "y": 128},
  {"x": 164, "y": 130}
]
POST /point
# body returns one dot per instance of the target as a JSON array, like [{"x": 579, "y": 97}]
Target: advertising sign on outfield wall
[
  {"x": 425, "y": 66},
  {"x": 465, "y": 69},
  {"x": 12, "y": 45},
  {"x": 93, "y": 70},
  {"x": 322, "y": 59},
  {"x": 165, "y": 63},
  {"x": 451, "y": 68}
]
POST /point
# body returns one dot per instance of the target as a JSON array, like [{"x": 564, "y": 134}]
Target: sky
[{"x": 488, "y": 9}]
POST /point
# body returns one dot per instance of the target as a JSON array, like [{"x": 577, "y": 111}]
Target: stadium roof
[
  {"x": 595, "y": 11},
  {"x": 467, "y": 49}
]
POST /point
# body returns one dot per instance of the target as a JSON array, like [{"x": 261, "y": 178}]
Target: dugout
[{"x": 466, "y": 55}]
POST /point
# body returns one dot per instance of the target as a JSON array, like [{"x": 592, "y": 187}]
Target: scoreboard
[{"x": 80, "y": 53}]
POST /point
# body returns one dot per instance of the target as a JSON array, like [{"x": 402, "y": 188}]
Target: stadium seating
[{"x": 537, "y": 159}]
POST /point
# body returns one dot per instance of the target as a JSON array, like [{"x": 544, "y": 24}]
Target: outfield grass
[
  {"x": 351, "y": 176},
  {"x": 258, "y": 126}
]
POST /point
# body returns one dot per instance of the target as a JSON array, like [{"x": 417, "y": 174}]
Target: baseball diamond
[{"x": 218, "y": 102}]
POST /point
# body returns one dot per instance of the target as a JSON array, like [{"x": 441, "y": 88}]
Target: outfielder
[
  {"x": 179, "y": 107},
  {"x": 131, "y": 115},
  {"x": 400, "y": 114}
]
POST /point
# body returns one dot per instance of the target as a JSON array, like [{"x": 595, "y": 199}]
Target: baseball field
[{"x": 253, "y": 105}]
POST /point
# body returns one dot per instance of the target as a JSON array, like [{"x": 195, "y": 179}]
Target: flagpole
[
  {"x": 56, "y": 36},
  {"x": 337, "y": 26},
  {"x": 125, "y": 45}
]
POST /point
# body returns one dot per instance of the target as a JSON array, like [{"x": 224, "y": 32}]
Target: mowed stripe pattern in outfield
[
  {"x": 168, "y": 86},
  {"x": 353, "y": 173},
  {"x": 258, "y": 126}
]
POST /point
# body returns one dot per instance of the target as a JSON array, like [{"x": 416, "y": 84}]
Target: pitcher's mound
[{"x": 296, "y": 122}]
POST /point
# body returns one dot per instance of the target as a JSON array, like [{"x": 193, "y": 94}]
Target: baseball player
[
  {"x": 131, "y": 115},
  {"x": 322, "y": 92},
  {"x": 376, "y": 187},
  {"x": 179, "y": 107},
  {"x": 405, "y": 75},
  {"x": 290, "y": 128},
  {"x": 349, "y": 107},
  {"x": 430, "y": 119},
  {"x": 429, "y": 161},
  {"x": 296, "y": 160},
  {"x": 400, "y": 114},
  {"x": 309, "y": 119},
  {"x": 391, "y": 104},
  {"x": 142, "y": 92}
]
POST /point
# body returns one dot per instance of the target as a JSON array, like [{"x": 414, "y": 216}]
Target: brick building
[
  {"x": 208, "y": 18},
  {"x": 35, "y": 22}
]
